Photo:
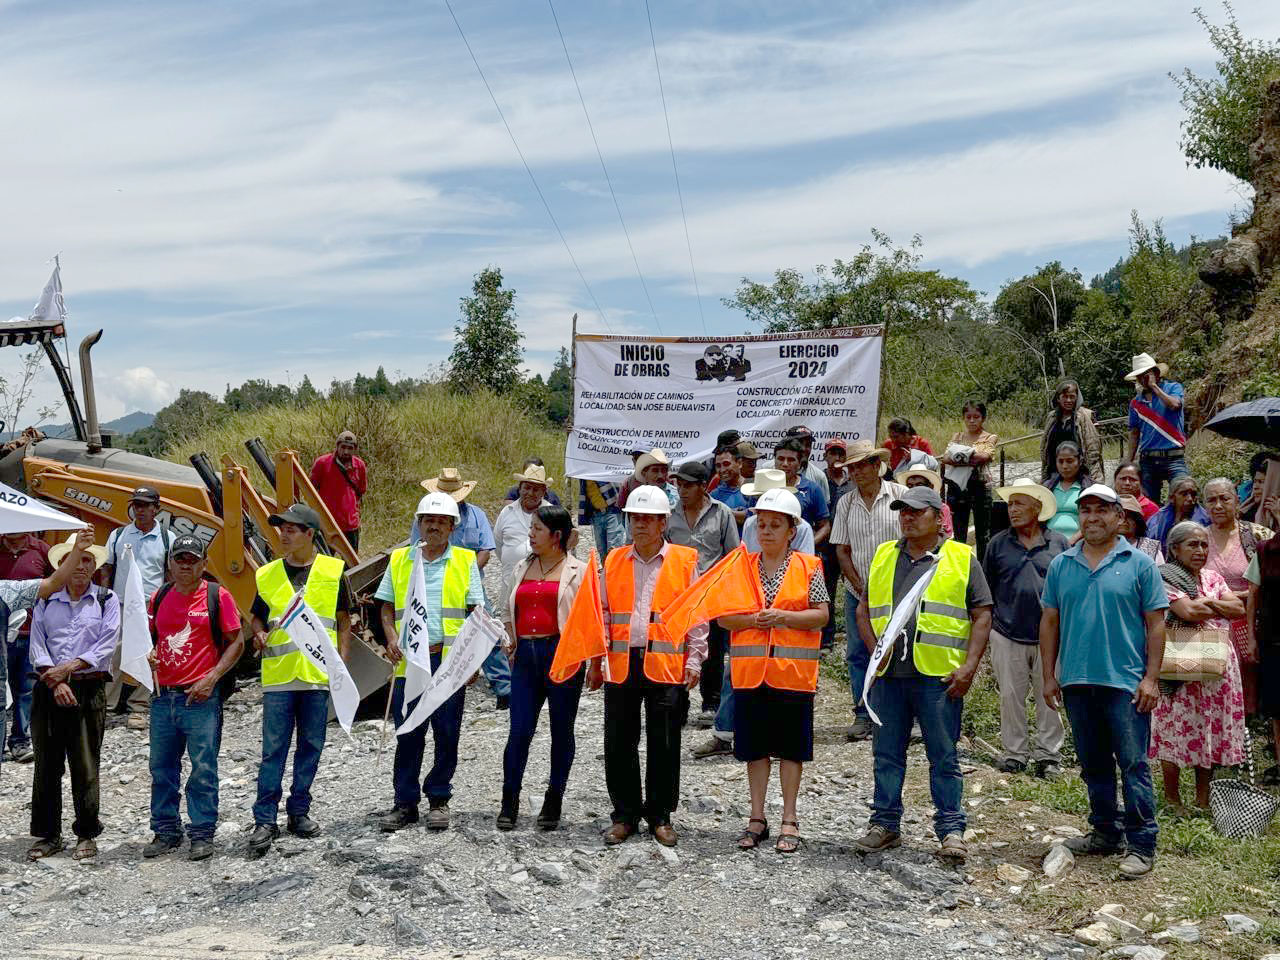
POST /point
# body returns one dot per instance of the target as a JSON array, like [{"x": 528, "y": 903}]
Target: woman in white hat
[{"x": 773, "y": 657}]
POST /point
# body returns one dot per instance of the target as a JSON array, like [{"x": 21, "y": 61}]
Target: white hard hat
[
  {"x": 438, "y": 504},
  {"x": 779, "y": 501},
  {"x": 648, "y": 499}
]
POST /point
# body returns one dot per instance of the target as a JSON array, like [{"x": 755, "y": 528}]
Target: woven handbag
[
  {"x": 1194, "y": 653},
  {"x": 1240, "y": 810}
]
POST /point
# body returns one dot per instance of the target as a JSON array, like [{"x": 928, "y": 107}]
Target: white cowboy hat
[
  {"x": 764, "y": 481},
  {"x": 1144, "y": 362},
  {"x": 59, "y": 552},
  {"x": 1029, "y": 488},
  {"x": 935, "y": 481},
  {"x": 450, "y": 481},
  {"x": 649, "y": 459},
  {"x": 533, "y": 474}
]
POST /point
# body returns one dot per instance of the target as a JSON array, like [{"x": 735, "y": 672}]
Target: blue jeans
[
  {"x": 530, "y": 688},
  {"x": 21, "y": 680},
  {"x": 175, "y": 726},
  {"x": 497, "y": 670},
  {"x": 282, "y": 710},
  {"x": 608, "y": 530},
  {"x": 858, "y": 656},
  {"x": 1110, "y": 732},
  {"x": 898, "y": 701},
  {"x": 723, "y": 729},
  {"x": 1156, "y": 471},
  {"x": 446, "y": 727}
]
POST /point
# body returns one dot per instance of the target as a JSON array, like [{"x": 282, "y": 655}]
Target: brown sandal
[
  {"x": 750, "y": 839},
  {"x": 85, "y": 850},
  {"x": 789, "y": 842},
  {"x": 46, "y": 848}
]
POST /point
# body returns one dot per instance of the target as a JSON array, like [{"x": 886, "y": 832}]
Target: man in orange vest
[{"x": 645, "y": 667}]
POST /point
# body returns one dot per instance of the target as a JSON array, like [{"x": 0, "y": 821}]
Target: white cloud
[{"x": 139, "y": 388}]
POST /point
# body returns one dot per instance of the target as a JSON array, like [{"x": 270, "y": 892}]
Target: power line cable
[
  {"x": 532, "y": 179},
  {"x": 674, "y": 168},
  {"x": 603, "y": 168}
]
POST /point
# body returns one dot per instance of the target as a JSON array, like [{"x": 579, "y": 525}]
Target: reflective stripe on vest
[
  {"x": 453, "y": 593},
  {"x": 942, "y": 626},
  {"x": 664, "y": 655},
  {"x": 282, "y": 661},
  {"x": 780, "y": 657}
]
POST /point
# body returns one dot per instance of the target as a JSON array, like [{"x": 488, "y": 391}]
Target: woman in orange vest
[{"x": 773, "y": 663}]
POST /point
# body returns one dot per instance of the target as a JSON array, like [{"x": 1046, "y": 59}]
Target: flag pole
[{"x": 386, "y": 713}]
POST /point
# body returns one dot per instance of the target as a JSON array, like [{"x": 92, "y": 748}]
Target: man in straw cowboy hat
[
  {"x": 73, "y": 635},
  {"x": 765, "y": 479},
  {"x": 473, "y": 532},
  {"x": 863, "y": 522},
  {"x": 511, "y": 529},
  {"x": 922, "y": 476},
  {"x": 1016, "y": 564},
  {"x": 1157, "y": 426}
]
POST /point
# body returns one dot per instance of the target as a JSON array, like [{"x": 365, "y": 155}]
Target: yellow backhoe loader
[{"x": 92, "y": 480}]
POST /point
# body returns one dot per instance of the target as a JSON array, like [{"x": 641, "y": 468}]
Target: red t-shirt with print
[{"x": 185, "y": 650}]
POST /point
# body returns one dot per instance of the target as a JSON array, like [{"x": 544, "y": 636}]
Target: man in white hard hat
[
  {"x": 453, "y": 588},
  {"x": 645, "y": 667}
]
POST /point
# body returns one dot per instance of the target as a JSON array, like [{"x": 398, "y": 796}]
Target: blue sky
[{"x": 271, "y": 189}]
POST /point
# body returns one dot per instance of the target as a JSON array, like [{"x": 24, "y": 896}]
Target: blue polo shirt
[
  {"x": 1149, "y": 438},
  {"x": 813, "y": 502},
  {"x": 472, "y": 531},
  {"x": 731, "y": 497},
  {"x": 1102, "y": 630}
]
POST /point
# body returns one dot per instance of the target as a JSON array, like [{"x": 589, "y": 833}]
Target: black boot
[
  {"x": 549, "y": 815},
  {"x": 510, "y": 811}
]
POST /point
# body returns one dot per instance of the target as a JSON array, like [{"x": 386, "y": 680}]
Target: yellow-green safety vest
[
  {"x": 942, "y": 626},
  {"x": 282, "y": 662},
  {"x": 453, "y": 592}
]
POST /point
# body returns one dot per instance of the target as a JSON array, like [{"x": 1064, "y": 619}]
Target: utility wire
[
  {"x": 604, "y": 169},
  {"x": 532, "y": 179},
  {"x": 675, "y": 169}
]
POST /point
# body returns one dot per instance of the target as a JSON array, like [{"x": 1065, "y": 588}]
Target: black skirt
[
  {"x": 772, "y": 723},
  {"x": 1269, "y": 680}
]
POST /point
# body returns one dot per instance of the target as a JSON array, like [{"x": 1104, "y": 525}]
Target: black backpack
[{"x": 226, "y": 685}]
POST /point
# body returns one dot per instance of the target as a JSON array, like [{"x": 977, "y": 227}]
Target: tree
[
  {"x": 1036, "y": 307},
  {"x": 306, "y": 394},
  {"x": 1223, "y": 113},
  {"x": 16, "y": 392},
  {"x": 881, "y": 282},
  {"x": 487, "y": 353},
  {"x": 560, "y": 388},
  {"x": 256, "y": 394}
]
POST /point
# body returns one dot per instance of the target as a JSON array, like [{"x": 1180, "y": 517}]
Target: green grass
[{"x": 403, "y": 442}]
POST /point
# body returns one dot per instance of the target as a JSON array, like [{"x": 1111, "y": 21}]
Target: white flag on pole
[
  {"x": 415, "y": 645},
  {"x": 304, "y": 628},
  {"x": 51, "y": 308},
  {"x": 907, "y": 608},
  {"x": 474, "y": 642},
  {"x": 135, "y": 628}
]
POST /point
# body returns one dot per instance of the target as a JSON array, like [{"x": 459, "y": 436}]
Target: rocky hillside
[{"x": 1241, "y": 327}]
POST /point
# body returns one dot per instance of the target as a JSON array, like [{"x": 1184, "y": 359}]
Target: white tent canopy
[{"x": 23, "y": 513}]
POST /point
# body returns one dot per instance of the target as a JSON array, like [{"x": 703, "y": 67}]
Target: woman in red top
[
  {"x": 902, "y": 440},
  {"x": 1127, "y": 481},
  {"x": 546, "y": 582}
]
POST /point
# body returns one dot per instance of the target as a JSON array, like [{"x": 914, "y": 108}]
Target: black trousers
[
  {"x": 67, "y": 737},
  {"x": 622, "y": 705},
  {"x": 353, "y": 537},
  {"x": 713, "y": 668}
]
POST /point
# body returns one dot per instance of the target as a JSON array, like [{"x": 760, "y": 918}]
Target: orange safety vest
[
  {"x": 664, "y": 655},
  {"x": 781, "y": 657}
]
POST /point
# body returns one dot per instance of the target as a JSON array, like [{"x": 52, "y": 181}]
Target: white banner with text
[{"x": 678, "y": 393}]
